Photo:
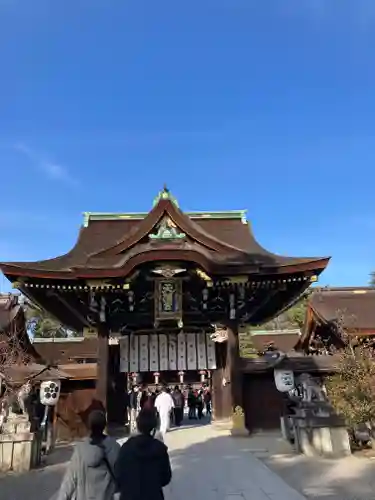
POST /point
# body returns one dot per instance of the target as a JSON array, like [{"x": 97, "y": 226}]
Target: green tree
[
  {"x": 294, "y": 317},
  {"x": 351, "y": 391},
  {"x": 297, "y": 313},
  {"x": 42, "y": 325},
  {"x": 372, "y": 279}
]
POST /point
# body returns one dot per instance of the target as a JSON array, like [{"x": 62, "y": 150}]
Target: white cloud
[{"x": 52, "y": 170}]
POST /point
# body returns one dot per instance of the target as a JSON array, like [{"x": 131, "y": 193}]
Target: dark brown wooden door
[{"x": 263, "y": 403}]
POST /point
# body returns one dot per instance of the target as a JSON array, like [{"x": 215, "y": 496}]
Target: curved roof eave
[{"x": 315, "y": 265}]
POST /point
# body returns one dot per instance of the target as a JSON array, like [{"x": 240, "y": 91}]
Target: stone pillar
[
  {"x": 20, "y": 449},
  {"x": 102, "y": 365}
]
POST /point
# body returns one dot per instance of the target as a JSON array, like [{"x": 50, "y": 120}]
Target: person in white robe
[{"x": 164, "y": 405}]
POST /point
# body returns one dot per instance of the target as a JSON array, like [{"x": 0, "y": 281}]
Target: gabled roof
[
  {"x": 354, "y": 306},
  {"x": 113, "y": 246}
]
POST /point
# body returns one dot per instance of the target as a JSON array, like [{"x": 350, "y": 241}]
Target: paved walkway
[
  {"x": 349, "y": 478},
  {"x": 207, "y": 464}
]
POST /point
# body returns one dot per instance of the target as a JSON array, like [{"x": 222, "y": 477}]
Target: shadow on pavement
[
  {"x": 44, "y": 482},
  {"x": 215, "y": 466},
  {"x": 327, "y": 479}
]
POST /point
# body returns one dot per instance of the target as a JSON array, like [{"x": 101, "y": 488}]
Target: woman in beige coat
[{"x": 90, "y": 473}]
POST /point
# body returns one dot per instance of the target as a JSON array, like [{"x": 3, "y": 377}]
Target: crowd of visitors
[{"x": 172, "y": 403}]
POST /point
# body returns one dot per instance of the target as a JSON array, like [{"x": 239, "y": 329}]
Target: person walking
[
  {"x": 179, "y": 403},
  {"x": 91, "y": 471},
  {"x": 143, "y": 467},
  {"x": 208, "y": 401},
  {"x": 191, "y": 404},
  {"x": 144, "y": 396},
  {"x": 164, "y": 405},
  {"x": 200, "y": 404},
  {"x": 134, "y": 404}
]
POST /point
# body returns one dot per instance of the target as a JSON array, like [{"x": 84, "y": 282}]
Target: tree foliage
[
  {"x": 12, "y": 353},
  {"x": 372, "y": 279},
  {"x": 42, "y": 325},
  {"x": 292, "y": 318},
  {"x": 351, "y": 390}
]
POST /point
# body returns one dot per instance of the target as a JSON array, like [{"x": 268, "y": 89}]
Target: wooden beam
[
  {"x": 70, "y": 308},
  {"x": 102, "y": 369},
  {"x": 234, "y": 365},
  {"x": 271, "y": 294}
]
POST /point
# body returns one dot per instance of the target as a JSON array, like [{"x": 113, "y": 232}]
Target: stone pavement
[
  {"x": 349, "y": 478},
  {"x": 207, "y": 464}
]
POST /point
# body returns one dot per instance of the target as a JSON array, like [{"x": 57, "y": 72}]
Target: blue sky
[{"x": 234, "y": 104}]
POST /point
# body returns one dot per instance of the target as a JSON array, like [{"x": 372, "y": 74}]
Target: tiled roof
[
  {"x": 111, "y": 243},
  {"x": 356, "y": 306},
  {"x": 64, "y": 351}
]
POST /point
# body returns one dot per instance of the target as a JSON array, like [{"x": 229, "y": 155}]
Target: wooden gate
[{"x": 263, "y": 404}]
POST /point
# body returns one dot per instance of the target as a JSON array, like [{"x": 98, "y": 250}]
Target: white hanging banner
[
  {"x": 143, "y": 353},
  {"x": 163, "y": 352},
  {"x": 124, "y": 354},
  {"x": 284, "y": 380},
  {"x": 181, "y": 351},
  {"x": 191, "y": 351},
  {"x": 134, "y": 353},
  {"x": 154, "y": 353},
  {"x": 172, "y": 352},
  {"x": 202, "y": 353},
  {"x": 211, "y": 353}
]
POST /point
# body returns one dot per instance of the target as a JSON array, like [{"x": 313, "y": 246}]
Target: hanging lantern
[
  {"x": 284, "y": 380},
  {"x": 202, "y": 373},
  {"x": 181, "y": 375},
  {"x": 156, "y": 377}
]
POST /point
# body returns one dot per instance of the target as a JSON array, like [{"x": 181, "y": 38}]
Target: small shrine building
[{"x": 166, "y": 293}]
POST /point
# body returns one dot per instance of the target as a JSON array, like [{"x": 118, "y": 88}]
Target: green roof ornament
[
  {"x": 167, "y": 230},
  {"x": 165, "y": 194}
]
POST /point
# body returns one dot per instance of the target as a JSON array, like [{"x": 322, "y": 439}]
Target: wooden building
[
  {"x": 165, "y": 285},
  {"x": 77, "y": 357},
  {"x": 335, "y": 315}
]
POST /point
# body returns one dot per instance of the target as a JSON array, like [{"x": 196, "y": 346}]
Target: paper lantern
[
  {"x": 284, "y": 380},
  {"x": 50, "y": 392}
]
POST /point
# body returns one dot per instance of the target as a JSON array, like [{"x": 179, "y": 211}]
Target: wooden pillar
[
  {"x": 234, "y": 366},
  {"x": 218, "y": 405},
  {"x": 227, "y": 379},
  {"x": 102, "y": 365}
]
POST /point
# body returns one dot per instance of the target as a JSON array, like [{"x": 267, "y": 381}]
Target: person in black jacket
[
  {"x": 179, "y": 403},
  {"x": 143, "y": 467}
]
